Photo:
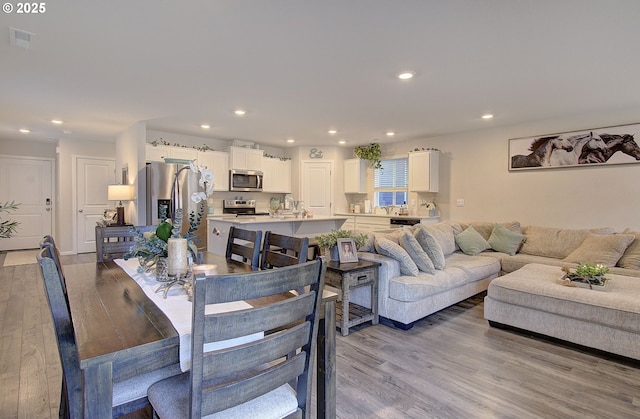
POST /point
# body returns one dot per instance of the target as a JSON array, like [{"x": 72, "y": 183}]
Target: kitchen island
[{"x": 218, "y": 227}]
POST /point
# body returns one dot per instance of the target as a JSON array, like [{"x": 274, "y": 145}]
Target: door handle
[
  {"x": 48, "y": 209},
  {"x": 80, "y": 210}
]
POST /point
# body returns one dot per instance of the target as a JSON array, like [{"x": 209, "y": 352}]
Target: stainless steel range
[{"x": 241, "y": 207}]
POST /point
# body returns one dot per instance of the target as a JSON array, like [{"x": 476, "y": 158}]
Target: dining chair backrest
[
  {"x": 55, "y": 255},
  {"x": 264, "y": 366},
  {"x": 112, "y": 242},
  {"x": 71, "y": 401},
  {"x": 245, "y": 244},
  {"x": 279, "y": 250}
]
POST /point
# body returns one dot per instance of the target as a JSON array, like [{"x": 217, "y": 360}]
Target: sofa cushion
[
  {"x": 431, "y": 247},
  {"x": 393, "y": 250},
  {"x": 476, "y": 267},
  {"x": 368, "y": 244},
  {"x": 409, "y": 243},
  {"x": 443, "y": 233},
  {"x": 424, "y": 285},
  {"x": 631, "y": 257},
  {"x": 471, "y": 242},
  {"x": 505, "y": 240},
  {"x": 597, "y": 248},
  {"x": 556, "y": 242}
]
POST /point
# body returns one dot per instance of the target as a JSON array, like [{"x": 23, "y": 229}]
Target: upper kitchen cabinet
[
  {"x": 218, "y": 161},
  {"x": 355, "y": 176},
  {"x": 277, "y": 175},
  {"x": 161, "y": 152},
  {"x": 245, "y": 158},
  {"x": 424, "y": 171}
]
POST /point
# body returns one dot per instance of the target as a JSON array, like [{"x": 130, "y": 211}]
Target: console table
[{"x": 345, "y": 277}]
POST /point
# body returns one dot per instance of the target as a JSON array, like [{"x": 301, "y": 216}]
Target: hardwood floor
[{"x": 450, "y": 365}]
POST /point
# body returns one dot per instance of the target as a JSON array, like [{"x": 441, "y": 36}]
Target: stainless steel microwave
[{"x": 245, "y": 180}]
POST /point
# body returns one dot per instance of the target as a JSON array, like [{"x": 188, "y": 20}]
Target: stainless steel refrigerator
[{"x": 160, "y": 179}]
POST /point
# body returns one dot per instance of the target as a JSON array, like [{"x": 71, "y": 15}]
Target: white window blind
[{"x": 391, "y": 182}]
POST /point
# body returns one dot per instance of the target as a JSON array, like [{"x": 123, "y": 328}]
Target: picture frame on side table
[{"x": 347, "y": 250}]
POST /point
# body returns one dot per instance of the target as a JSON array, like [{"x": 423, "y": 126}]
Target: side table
[{"x": 345, "y": 277}]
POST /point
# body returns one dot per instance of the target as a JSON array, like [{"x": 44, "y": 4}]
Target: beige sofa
[{"x": 405, "y": 296}]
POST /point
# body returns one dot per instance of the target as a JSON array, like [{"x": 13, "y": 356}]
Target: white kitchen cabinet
[
  {"x": 277, "y": 175},
  {"x": 245, "y": 158},
  {"x": 355, "y": 176},
  {"x": 424, "y": 171},
  {"x": 350, "y": 224},
  {"x": 161, "y": 152},
  {"x": 218, "y": 161},
  {"x": 157, "y": 153}
]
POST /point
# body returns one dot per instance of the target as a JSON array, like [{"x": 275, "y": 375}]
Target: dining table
[{"x": 121, "y": 332}]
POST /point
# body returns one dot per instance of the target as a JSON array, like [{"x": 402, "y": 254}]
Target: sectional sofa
[{"x": 462, "y": 259}]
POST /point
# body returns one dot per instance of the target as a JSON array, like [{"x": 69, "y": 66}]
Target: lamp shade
[{"x": 120, "y": 193}]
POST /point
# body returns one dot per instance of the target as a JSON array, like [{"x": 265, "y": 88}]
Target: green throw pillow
[
  {"x": 504, "y": 240},
  {"x": 471, "y": 242}
]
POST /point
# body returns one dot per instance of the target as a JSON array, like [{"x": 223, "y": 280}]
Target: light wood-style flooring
[{"x": 450, "y": 365}]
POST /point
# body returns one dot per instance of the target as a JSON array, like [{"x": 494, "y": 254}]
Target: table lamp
[{"x": 120, "y": 193}]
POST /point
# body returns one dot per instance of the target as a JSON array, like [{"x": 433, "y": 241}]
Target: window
[{"x": 390, "y": 184}]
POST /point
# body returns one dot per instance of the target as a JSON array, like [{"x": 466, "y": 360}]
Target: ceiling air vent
[{"x": 20, "y": 38}]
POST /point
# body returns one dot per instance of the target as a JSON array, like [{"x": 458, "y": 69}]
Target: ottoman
[{"x": 533, "y": 299}]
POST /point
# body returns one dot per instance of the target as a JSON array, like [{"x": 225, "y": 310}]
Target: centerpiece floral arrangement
[
  {"x": 589, "y": 274},
  {"x": 150, "y": 246}
]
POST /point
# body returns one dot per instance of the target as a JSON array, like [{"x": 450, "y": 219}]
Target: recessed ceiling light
[
  {"x": 205, "y": 126},
  {"x": 487, "y": 116},
  {"x": 24, "y": 130},
  {"x": 406, "y": 75},
  {"x": 291, "y": 140},
  {"x": 333, "y": 131},
  {"x": 56, "y": 121},
  {"x": 240, "y": 112},
  {"x": 390, "y": 133},
  {"x": 342, "y": 142}
]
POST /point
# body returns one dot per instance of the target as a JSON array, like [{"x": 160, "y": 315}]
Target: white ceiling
[{"x": 302, "y": 67}]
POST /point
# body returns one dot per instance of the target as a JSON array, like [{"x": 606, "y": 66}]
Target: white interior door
[
  {"x": 92, "y": 178},
  {"x": 316, "y": 186},
  {"x": 28, "y": 182}
]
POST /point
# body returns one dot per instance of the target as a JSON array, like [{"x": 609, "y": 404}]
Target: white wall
[
  {"x": 474, "y": 167},
  {"x": 130, "y": 153}
]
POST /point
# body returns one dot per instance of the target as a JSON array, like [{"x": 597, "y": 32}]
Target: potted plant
[
  {"x": 8, "y": 227},
  {"x": 587, "y": 275},
  {"x": 371, "y": 152},
  {"x": 330, "y": 241}
]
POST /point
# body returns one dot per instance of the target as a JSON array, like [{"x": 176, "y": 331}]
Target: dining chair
[
  {"x": 129, "y": 395},
  {"x": 245, "y": 244},
  {"x": 112, "y": 242},
  {"x": 279, "y": 250},
  {"x": 257, "y": 379}
]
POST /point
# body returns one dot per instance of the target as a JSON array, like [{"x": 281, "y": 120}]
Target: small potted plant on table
[{"x": 330, "y": 241}]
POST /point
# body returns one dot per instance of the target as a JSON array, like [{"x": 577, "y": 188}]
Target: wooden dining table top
[{"x": 111, "y": 312}]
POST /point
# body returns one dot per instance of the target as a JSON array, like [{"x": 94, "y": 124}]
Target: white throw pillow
[
  {"x": 431, "y": 247},
  {"x": 409, "y": 243},
  {"x": 393, "y": 250}
]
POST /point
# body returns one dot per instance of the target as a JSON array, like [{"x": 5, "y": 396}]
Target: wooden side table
[{"x": 345, "y": 277}]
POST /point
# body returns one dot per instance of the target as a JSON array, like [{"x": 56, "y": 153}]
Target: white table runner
[{"x": 177, "y": 308}]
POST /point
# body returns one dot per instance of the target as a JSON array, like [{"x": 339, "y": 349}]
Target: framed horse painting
[{"x": 596, "y": 146}]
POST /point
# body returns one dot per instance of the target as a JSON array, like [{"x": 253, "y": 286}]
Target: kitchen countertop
[
  {"x": 230, "y": 218},
  {"x": 418, "y": 217}
]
